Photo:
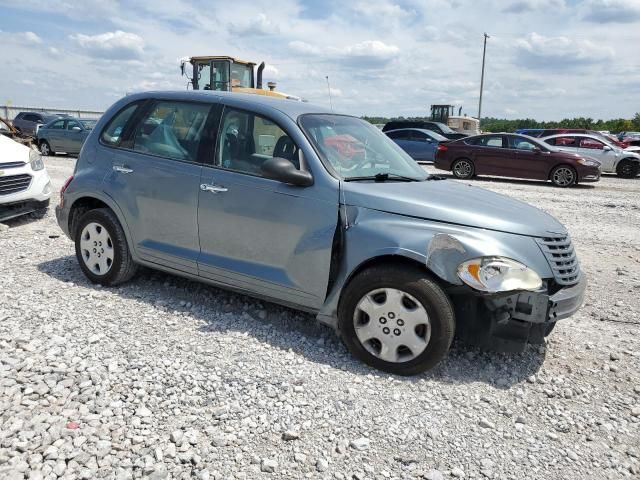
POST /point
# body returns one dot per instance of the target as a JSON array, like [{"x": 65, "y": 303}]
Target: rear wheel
[
  {"x": 45, "y": 149},
  {"x": 564, "y": 176},
  {"x": 396, "y": 319},
  {"x": 102, "y": 249},
  {"x": 628, "y": 169},
  {"x": 463, "y": 168}
]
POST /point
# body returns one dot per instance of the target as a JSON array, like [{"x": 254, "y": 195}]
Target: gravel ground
[{"x": 167, "y": 378}]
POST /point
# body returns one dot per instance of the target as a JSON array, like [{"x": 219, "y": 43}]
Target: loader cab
[{"x": 224, "y": 74}]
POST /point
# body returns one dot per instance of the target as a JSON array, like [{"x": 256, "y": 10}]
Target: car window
[
  {"x": 172, "y": 130},
  {"x": 30, "y": 117},
  {"x": 565, "y": 142},
  {"x": 418, "y": 136},
  {"x": 246, "y": 140},
  {"x": 591, "y": 143},
  {"x": 112, "y": 134},
  {"x": 59, "y": 125},
  {"x": 71, "y": 124},
  {"x": 399, "y": 135},
  {"x": 522, "y": 144},
  {"x": 490, "y": 141}
]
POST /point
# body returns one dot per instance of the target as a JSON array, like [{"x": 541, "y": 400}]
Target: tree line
[{"x": 491, "y": 124}]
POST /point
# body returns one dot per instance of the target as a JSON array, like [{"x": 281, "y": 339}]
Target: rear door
[
  {"x": 490, "y": 158},
  {"x": 55, "y": 135},
  {"x": 74, "y": 136},
  {"x": 403, "y": 139},
  {"x": 423, "y": 146},
  {"x": 591, "y": 147},
  {"x": 155, "y": 181},
  {"x": 261, "y": 235}
]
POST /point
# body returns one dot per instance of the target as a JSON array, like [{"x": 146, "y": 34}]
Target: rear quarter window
[{"x": 112, "y": 133}]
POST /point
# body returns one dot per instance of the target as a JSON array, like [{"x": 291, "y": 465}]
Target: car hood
[
  {"x": 12, "y": 151},
  {"x": 452, "y": 202}
]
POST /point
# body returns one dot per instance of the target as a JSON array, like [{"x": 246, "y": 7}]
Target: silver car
[
  {"x": 322, "y": 212},
  {"x": 64, "y": 135},
  {"x": 613, "y": 159}
]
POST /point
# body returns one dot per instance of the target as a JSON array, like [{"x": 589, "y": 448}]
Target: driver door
[{"x": 260, "y": 235}]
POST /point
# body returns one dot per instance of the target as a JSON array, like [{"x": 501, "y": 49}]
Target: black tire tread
[
  {"x": 626, "y": 161},
  {"x": 418, "y": 283},
  {"x": 123, "y": 268}
]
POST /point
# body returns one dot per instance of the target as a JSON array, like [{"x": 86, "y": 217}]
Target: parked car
[
  {"x": 253, "y": 194},
  {"x": 27, "y": 122},
  {"x": 419, "y": 143},
  {"x": 24, "y": 183},
  {"x": 64, "y": 135},
  {"x": 613, "y": 159},
  {"x": 518, "y": 156},
  {"x": 437, "y": 127}
]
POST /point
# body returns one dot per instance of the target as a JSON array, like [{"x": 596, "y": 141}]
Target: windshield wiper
[{"x": 383, "y": 177}]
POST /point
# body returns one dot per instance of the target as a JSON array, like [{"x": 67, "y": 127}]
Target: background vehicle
[
  {"x": 27, "y": 122},
  {"x": 24, "y": 182},
  {"x": 518, "y": 156},
  {"x": 439, "y": 128},
  {"x": 229, "y": 74},
  {"x": 459, "y": 123},
  {"x": 66, "y": 134},
  {"x": 420, "y": 144},
  {"x": 322, "y": 212},
  {"x": 612, "y": 158}
]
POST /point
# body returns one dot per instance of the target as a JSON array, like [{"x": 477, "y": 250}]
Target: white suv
[{"x": 25, "y": 186}]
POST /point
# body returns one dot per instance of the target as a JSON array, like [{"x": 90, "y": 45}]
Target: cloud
[
  {"x": 540, "y": 52},
  {"x": 612, "y": 11},
  {"x": 116, "y": 45},
  {"x": 260, "y": 25},
  {"x": 30, "y": 38},
  {"x": 522, "y": 6},
  {"x": 384, "y": 9},
  {"x": 368, "y": 53}
]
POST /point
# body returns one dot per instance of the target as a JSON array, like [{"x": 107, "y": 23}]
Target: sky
[{"x": 546, "y": 59}]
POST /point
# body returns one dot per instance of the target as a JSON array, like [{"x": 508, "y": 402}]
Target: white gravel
[{"x": 167, "y": 378}]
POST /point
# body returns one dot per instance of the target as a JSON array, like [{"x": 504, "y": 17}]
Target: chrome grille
[
  {"x": 14, "y": 183},
  {"x": 562, "y": 258},
  {"x": 11, "y": 165}
]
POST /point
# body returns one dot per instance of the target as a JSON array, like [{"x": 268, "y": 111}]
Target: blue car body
[{"x": 419, "y": 143}]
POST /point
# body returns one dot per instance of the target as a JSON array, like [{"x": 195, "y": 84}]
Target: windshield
[
  {"x": 444, "y": 128},
  {"x": 241, "y": 75},
  {"x": 357, "y": 149},
  {"x": 88, "y": 124}
]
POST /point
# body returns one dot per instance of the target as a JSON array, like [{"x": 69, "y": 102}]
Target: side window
[
  {"x": 401, "y": 135},
  {"x": 522, "y": 144},
  {"x": 247, "y": 140},
  {"x": 29, "y": 117},
  {"x": 418, "y": 136},
  {"x": 172, "y": 130},
  {"x": 566, "y": 142},
  {"x": 591, "y": 143},
  {"x": 73, "y": 123},
  {"x": 488, "y": 141},
  {"x": 59, "y": 125},
  {"x": 112, "y": 133}
]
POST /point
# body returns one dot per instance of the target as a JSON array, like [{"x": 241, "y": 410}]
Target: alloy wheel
[
  {"x": 44, "y": 149},
  {"x": 462, "y": 169},
  {"x": 563, "y": 176},
  {"x": 392, "y": 325},
  {"x": 97, "y": 248}
]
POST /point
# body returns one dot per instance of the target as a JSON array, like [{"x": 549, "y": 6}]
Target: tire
[
  {"x": 563, "y": 176},
  {"x": 45, "y": 148},
  {"x": 463, "y": 168},
  {"x": 110, "y": 263},
  {"x": 377, "y": 289},
  {"x": 627, "y": 168}
]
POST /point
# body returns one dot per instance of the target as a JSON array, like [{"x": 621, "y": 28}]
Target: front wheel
[
  {"x": 463, "y": 169},
  {"x": 102, "y": 249},
  {"x": 396, "y": 319},
  {"x": 628, "y": 169},
  {"x": 45, "y": 149},
  {"x": 564, "y": 176}
]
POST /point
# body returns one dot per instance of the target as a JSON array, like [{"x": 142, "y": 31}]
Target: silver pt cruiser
[{"x": 294, "y": 204}]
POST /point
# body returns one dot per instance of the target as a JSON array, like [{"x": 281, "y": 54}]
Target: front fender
[{"x": 439, "y": 247}]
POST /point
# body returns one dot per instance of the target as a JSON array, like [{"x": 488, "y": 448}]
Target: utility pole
[
  {"x": 484, "y": 53},
  {"x": 329, "y": 90}
]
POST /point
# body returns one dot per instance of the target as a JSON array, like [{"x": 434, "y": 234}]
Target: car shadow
[
  {"x": 520, "y": 181},
  {"x": 287, "y": 329},
  {"x": 23, "y": 220}
]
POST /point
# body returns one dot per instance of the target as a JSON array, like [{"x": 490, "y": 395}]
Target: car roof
[
  {"x": 291, "y": 108},
  {"x": 423, "y": 130},
  {"x": 569, "y": 134}
]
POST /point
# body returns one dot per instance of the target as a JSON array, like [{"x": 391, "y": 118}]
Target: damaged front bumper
[{"x": 507, "y": 322}]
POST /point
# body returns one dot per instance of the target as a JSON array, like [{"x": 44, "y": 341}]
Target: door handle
[
  {"x": 213, "y": 188},
  {"x": 121, "y": 169}
]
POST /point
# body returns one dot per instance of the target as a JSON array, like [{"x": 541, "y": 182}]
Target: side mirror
[
  {"x": 75, "y": 129},
  {"x": 607, "y": 148},
  {"x": 536, "y": 150},
  {"x": 284, "y": 171}
]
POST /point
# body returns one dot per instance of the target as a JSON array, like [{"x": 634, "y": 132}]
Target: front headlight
[
  {"x": 35, "y": 159},
  {"x": 498, "y": 274},
  {"x": 588, "y": 163}
]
